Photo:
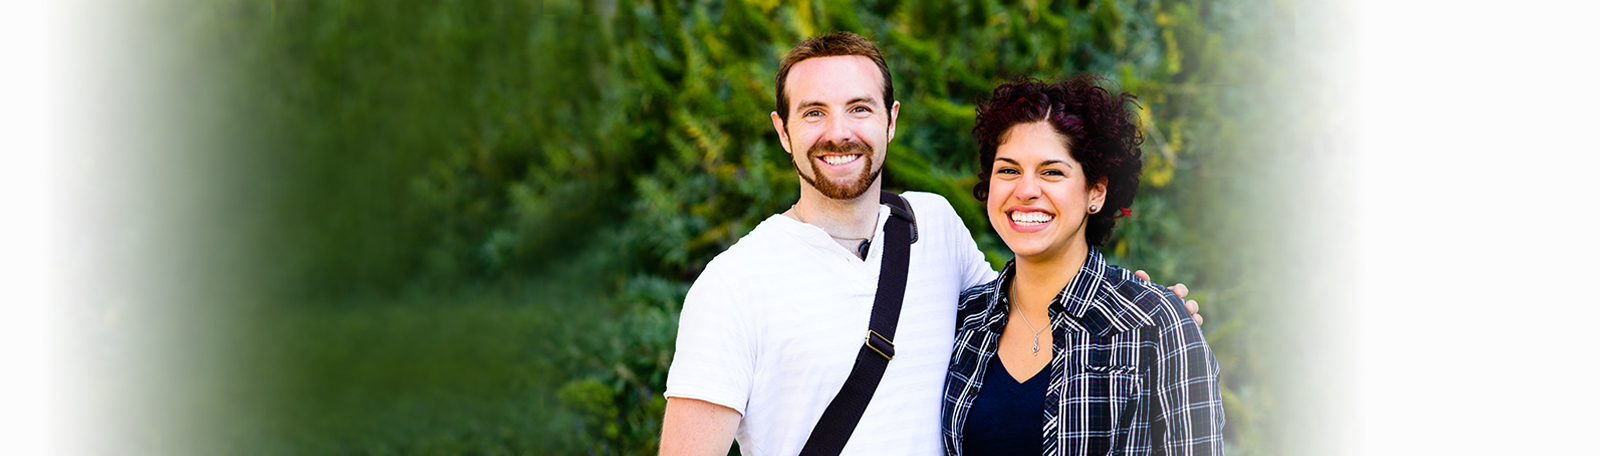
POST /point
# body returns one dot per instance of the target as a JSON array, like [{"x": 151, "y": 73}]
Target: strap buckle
[{"x": 881, "y": 344}]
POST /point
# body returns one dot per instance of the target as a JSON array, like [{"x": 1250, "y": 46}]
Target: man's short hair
[{"x": 832, "y": 44}]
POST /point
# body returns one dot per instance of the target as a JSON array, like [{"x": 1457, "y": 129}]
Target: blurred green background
[{"x": 466, "y": 227}]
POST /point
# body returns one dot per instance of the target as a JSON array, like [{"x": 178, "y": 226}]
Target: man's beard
[{"x": 827, "y": 187}]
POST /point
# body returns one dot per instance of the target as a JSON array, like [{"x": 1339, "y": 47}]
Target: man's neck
[{"x": 848, "y": 221}]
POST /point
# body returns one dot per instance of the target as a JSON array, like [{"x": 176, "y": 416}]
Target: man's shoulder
[
  {"x": 932, "y": 210},
  {"x": 931, "y": 202},
  {"x": 752, "y": 250},
  {"x": 747, "y": 267}
]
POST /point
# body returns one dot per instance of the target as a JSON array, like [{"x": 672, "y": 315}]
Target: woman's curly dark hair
[{"x": 1101, "y": 133}]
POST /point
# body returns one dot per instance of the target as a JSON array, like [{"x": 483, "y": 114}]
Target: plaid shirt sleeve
[{"x": 1188, "y": 418}]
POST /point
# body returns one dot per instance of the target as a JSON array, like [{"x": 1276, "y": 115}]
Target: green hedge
[{"x": 423, "y": 148}]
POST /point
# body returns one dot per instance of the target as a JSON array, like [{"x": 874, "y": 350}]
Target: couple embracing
[{"x": 866, "y": 322}]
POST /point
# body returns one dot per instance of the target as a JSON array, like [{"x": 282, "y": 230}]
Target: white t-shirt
[{"x": 771, "y": 329}]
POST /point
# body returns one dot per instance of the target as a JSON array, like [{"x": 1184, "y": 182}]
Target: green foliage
[
  {"x": 621, "y": 395},
  {"x": 613, "y": 148}
]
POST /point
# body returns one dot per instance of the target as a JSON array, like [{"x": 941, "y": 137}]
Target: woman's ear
[{"x": 1097, "y": 193}]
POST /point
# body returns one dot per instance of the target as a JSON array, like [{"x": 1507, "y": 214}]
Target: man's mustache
[{"x": 830, "y": 147}]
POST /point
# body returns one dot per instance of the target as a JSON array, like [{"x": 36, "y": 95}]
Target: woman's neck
[{"x": 1038, "y": 280}]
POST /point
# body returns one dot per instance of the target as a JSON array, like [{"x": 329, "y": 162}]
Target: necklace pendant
[{"x": 1036, "y": 347}]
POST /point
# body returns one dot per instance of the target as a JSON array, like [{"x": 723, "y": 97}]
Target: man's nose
[{"x": 838, "y": 131}]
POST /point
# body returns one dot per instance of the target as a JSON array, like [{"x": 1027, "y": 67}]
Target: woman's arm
[{"x": 1187, "y": 418}]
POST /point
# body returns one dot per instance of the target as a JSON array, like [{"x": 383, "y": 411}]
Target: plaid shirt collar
[{"x": 1082, "y": 303}]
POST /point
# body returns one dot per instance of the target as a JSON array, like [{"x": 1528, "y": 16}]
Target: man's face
[{"x": 838, "y": 128}]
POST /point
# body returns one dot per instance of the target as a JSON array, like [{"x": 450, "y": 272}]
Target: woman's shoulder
[
  {"x": 1152, "y": 300},
  {"x": 975, "y": 301},
  {"x": 984, "y": 290}
]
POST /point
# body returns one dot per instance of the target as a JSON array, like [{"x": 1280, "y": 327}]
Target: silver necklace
[{"x": 1024, "y": 316}]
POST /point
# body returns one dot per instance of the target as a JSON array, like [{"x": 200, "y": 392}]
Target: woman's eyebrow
[{"x": 1044, "y": 163}]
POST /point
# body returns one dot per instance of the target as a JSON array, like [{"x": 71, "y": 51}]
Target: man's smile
[{"x": 840, "y": 159}]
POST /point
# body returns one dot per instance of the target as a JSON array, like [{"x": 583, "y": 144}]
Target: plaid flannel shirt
[{"x": 1130, "y": 373}]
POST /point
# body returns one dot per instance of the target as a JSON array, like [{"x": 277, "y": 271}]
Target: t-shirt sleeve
[
  {"x": 715, "y": 356},
  {"x": 975, "y": 269},
  {"x": 978, "y": 271}
]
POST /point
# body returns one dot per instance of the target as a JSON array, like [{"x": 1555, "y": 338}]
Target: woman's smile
[{"x": 1028, "y": 220}]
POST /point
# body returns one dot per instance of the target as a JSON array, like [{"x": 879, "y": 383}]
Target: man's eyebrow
[
  {"x": 808, "y": 103},
  {"x": 814, "y": 103},
  {"x": 867, "y": 100}
]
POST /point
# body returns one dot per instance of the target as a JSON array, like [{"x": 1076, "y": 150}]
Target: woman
[{"x": 1064, "y": 353}]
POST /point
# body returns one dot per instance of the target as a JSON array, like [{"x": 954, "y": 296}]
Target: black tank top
[{"x": 1007, "y": 418}]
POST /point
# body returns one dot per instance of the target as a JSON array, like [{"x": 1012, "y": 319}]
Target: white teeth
[
  {"x": 839, "y": 159},
  {"x": 1030, "y": 218}
]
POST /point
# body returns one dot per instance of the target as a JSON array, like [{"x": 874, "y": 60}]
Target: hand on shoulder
[{"x": 1183, "y": 293}]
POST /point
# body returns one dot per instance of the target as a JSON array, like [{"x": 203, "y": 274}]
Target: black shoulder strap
[
  {"x": 840, "y": 418},
  {"x": 900, "y": 207}
]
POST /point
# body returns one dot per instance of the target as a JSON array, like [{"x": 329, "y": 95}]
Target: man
[{"x": 771, "y": 328}]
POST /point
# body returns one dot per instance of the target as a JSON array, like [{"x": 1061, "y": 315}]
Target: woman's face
[{"x": 1038, "y": 196}]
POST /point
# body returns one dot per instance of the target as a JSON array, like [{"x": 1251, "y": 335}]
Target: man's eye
[
  {"x": 812, "y": 113},
  {"x": 860, "y": 109}
]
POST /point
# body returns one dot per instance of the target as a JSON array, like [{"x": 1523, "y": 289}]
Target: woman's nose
[{"x": 1027, "y": 188}]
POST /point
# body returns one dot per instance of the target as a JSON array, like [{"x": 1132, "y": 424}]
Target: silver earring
[{"x": 1093, "y": 209}]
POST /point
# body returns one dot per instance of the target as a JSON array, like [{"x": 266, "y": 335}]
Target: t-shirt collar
[{"x": 816, "y": 237}]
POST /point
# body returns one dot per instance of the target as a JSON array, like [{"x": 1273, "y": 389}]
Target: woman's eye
[
  {"x": 1006, "y": 171},
  {"x": 1054, "y": 173}
]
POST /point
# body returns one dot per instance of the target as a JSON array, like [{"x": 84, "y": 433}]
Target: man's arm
[
  {"x": 697, "y": 428},
  {"x": 1183, "y": 293},
  {"x": 714, "y": 364}
]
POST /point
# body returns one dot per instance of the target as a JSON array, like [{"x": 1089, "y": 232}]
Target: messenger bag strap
[{"x": 840, "y": 418}]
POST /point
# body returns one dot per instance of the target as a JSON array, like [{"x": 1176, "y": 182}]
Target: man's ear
[
  {"x": 1097, "y": 194},
  {"x": 783, "y": 132},
  {"x": 894, "y": 114}
]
